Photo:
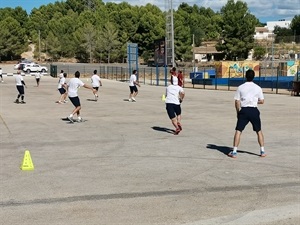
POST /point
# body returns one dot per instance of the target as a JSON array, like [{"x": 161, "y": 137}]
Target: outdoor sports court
[{"x": 123, "y": 165}]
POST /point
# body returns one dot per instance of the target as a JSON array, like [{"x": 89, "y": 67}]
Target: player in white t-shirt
[
  {"x": 1, "y": 75},
  {"x": 37, "y": 78},
  {"x": 247, "y": 97},
  {"x": 73, "y": 86},
  {"x": 62, "y": 86},
  {"x": 133, "y": 83},
  {"x": 96, "y": 83},
  {"x": 20, "y": 87},
  {"x": 174, "y": 97}
]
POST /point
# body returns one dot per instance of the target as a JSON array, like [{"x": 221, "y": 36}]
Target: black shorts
[
  {"x": 96, "y": 88},
  {"x": 246, "y": 115},
  {"x": 20, "y": 89},
  {"x": 133, "y": 89},
  {"x": 62, "y": 91},
  {"x": 75, "y": 101},
  {"x": 173, "y": 110}
]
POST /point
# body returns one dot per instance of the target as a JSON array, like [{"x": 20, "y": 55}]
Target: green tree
[
  {"x": 238, "y": 29},
  {"x": 12, "y": 39},
  {"x": 283, "y": 34},
  {"x": 295, "y": 25},
  {"x": 108, "y": 40},
  {"x": 259, "y": 52}
]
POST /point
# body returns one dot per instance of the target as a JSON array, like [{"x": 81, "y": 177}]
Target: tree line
[{"x": 93, "y": 31}]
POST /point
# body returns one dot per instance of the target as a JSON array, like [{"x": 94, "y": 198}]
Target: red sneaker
[
  {"x": 179, "y": 126},
  {"x": 177, "y": 131}
]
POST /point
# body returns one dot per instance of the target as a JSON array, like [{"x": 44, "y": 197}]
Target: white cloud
[{"x": 262, "y": 9}]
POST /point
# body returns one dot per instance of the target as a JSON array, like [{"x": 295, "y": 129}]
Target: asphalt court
[{"x": 124, "y": 165}]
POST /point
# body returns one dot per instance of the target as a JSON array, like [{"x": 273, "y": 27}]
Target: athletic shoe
[
  {"x": 70, "y": 119},
  {"x": 133, "y": 99},
  {"x": 177, "y": 131},
  {"x": 130, "y": 100},
  {"x": 263, "y": 154},
  {"x": 59, "y": 102},
  {"x": 17, "y": 101},
  {"x": 79, "y": 120},
  {"x": 232, "y": 154},
  {"x": 65, "y": 101},
  {"x": 179, "y": 126},
  {"x": 22, "y": 102}
]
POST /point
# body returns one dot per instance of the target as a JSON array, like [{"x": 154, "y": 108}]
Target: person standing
[
  {"x": 72, "y": 87},
  {"x": 37, "y": 78},
  {"x": 96, "y": 83},
  {"x": 62, "y": 89},
  {"x": 180, "y": 78},
  {"x": 1, "y": 75},
  {"x": 247, "y": 97},
  {"x": 174, "y": 97},
  {"x": 133, "y": 83},
  {"x": 20, "y": 84}
]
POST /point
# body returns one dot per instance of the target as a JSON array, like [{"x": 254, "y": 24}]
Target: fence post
[
  {"x": 144, "y": 76},
  {"x": 229, "y": 80},
  {"x": 277, "y": 80}
]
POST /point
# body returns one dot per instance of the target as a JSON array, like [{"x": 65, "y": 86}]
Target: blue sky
[{"x": 264, "y": 10}]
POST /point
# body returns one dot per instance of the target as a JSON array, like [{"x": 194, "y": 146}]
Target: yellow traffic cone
[
  {"x": 163, "y": 98},
  {"x": 27, "y": 163}
]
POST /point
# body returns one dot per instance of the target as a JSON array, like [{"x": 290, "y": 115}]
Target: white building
[{"x": 281, "y": 23}]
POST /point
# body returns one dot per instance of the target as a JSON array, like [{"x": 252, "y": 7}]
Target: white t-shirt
[
  {"x": 61, "y": 75},
  {"x": 37, "y": 75},
  {"x": 172, "y": 94},
  {"x": 0, "y": 71},
  {"x": 95, "y": 80},
  {"x": 73, "y": 86},
  {"x": 132, "y": 79},
  {"x": 61, "y": 82},
  {"x": 19, "y": 79},
  {"x": 248, "y": 94}
]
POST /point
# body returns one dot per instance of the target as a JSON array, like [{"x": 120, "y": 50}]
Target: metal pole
[
  {"x": 39, "y": 45},
  {"x": 172, "y": 30}
]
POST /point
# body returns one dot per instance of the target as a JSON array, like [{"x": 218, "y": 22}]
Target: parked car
[{"x": 33, "y": 67}]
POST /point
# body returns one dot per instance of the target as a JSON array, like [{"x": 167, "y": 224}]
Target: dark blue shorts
[
  {"x": 62, "y": 91},
  {"x": 133, "y": 89},
  {"x": 173, "y": 110},
  {"x": 20, "y": 89},
  {"x": 246, "y": 115},
  {"x": 96, "y": 88},
  {"x": 75, "y": 101}
]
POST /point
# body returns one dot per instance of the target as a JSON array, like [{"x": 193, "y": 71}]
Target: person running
[
  {"x": 247, "y": 96},
  {"x": 37, "y": 78},
  {"x": 72, "y": 88},
  {"x": 174, "y": 97},
  {"x": 1, "y": 75},
  {"x": 61, "y": 75},
  {"x": 62, "y": 89},
  {"x": 20, "y": 87},
  {"x": 133, "y": 83},
  {"x": 96, "y": 83}
]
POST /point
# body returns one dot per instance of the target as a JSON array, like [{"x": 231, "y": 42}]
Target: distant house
[
  {"x": 206, "y": 52},
  {"x": 261, "y": 33},
  {"x": 280, "y": 23}
]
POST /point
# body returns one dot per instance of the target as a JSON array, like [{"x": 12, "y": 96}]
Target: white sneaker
[
  {"x": 79, "y": 120},
  {"x": 130, "y": 100},
  {"x": 133, "y": 99},
  {"x": 70, "y": 119},
  {"x": 65, "y": 101}
]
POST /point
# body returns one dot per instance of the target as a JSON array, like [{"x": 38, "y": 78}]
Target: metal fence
[{"x": 272, "y": 79}]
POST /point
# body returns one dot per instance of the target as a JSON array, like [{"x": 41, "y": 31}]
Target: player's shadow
[
  {"x": 163, "y": 129},
  {"x": 225, "y": 149},
  {"x": 91, "y": 100}
]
